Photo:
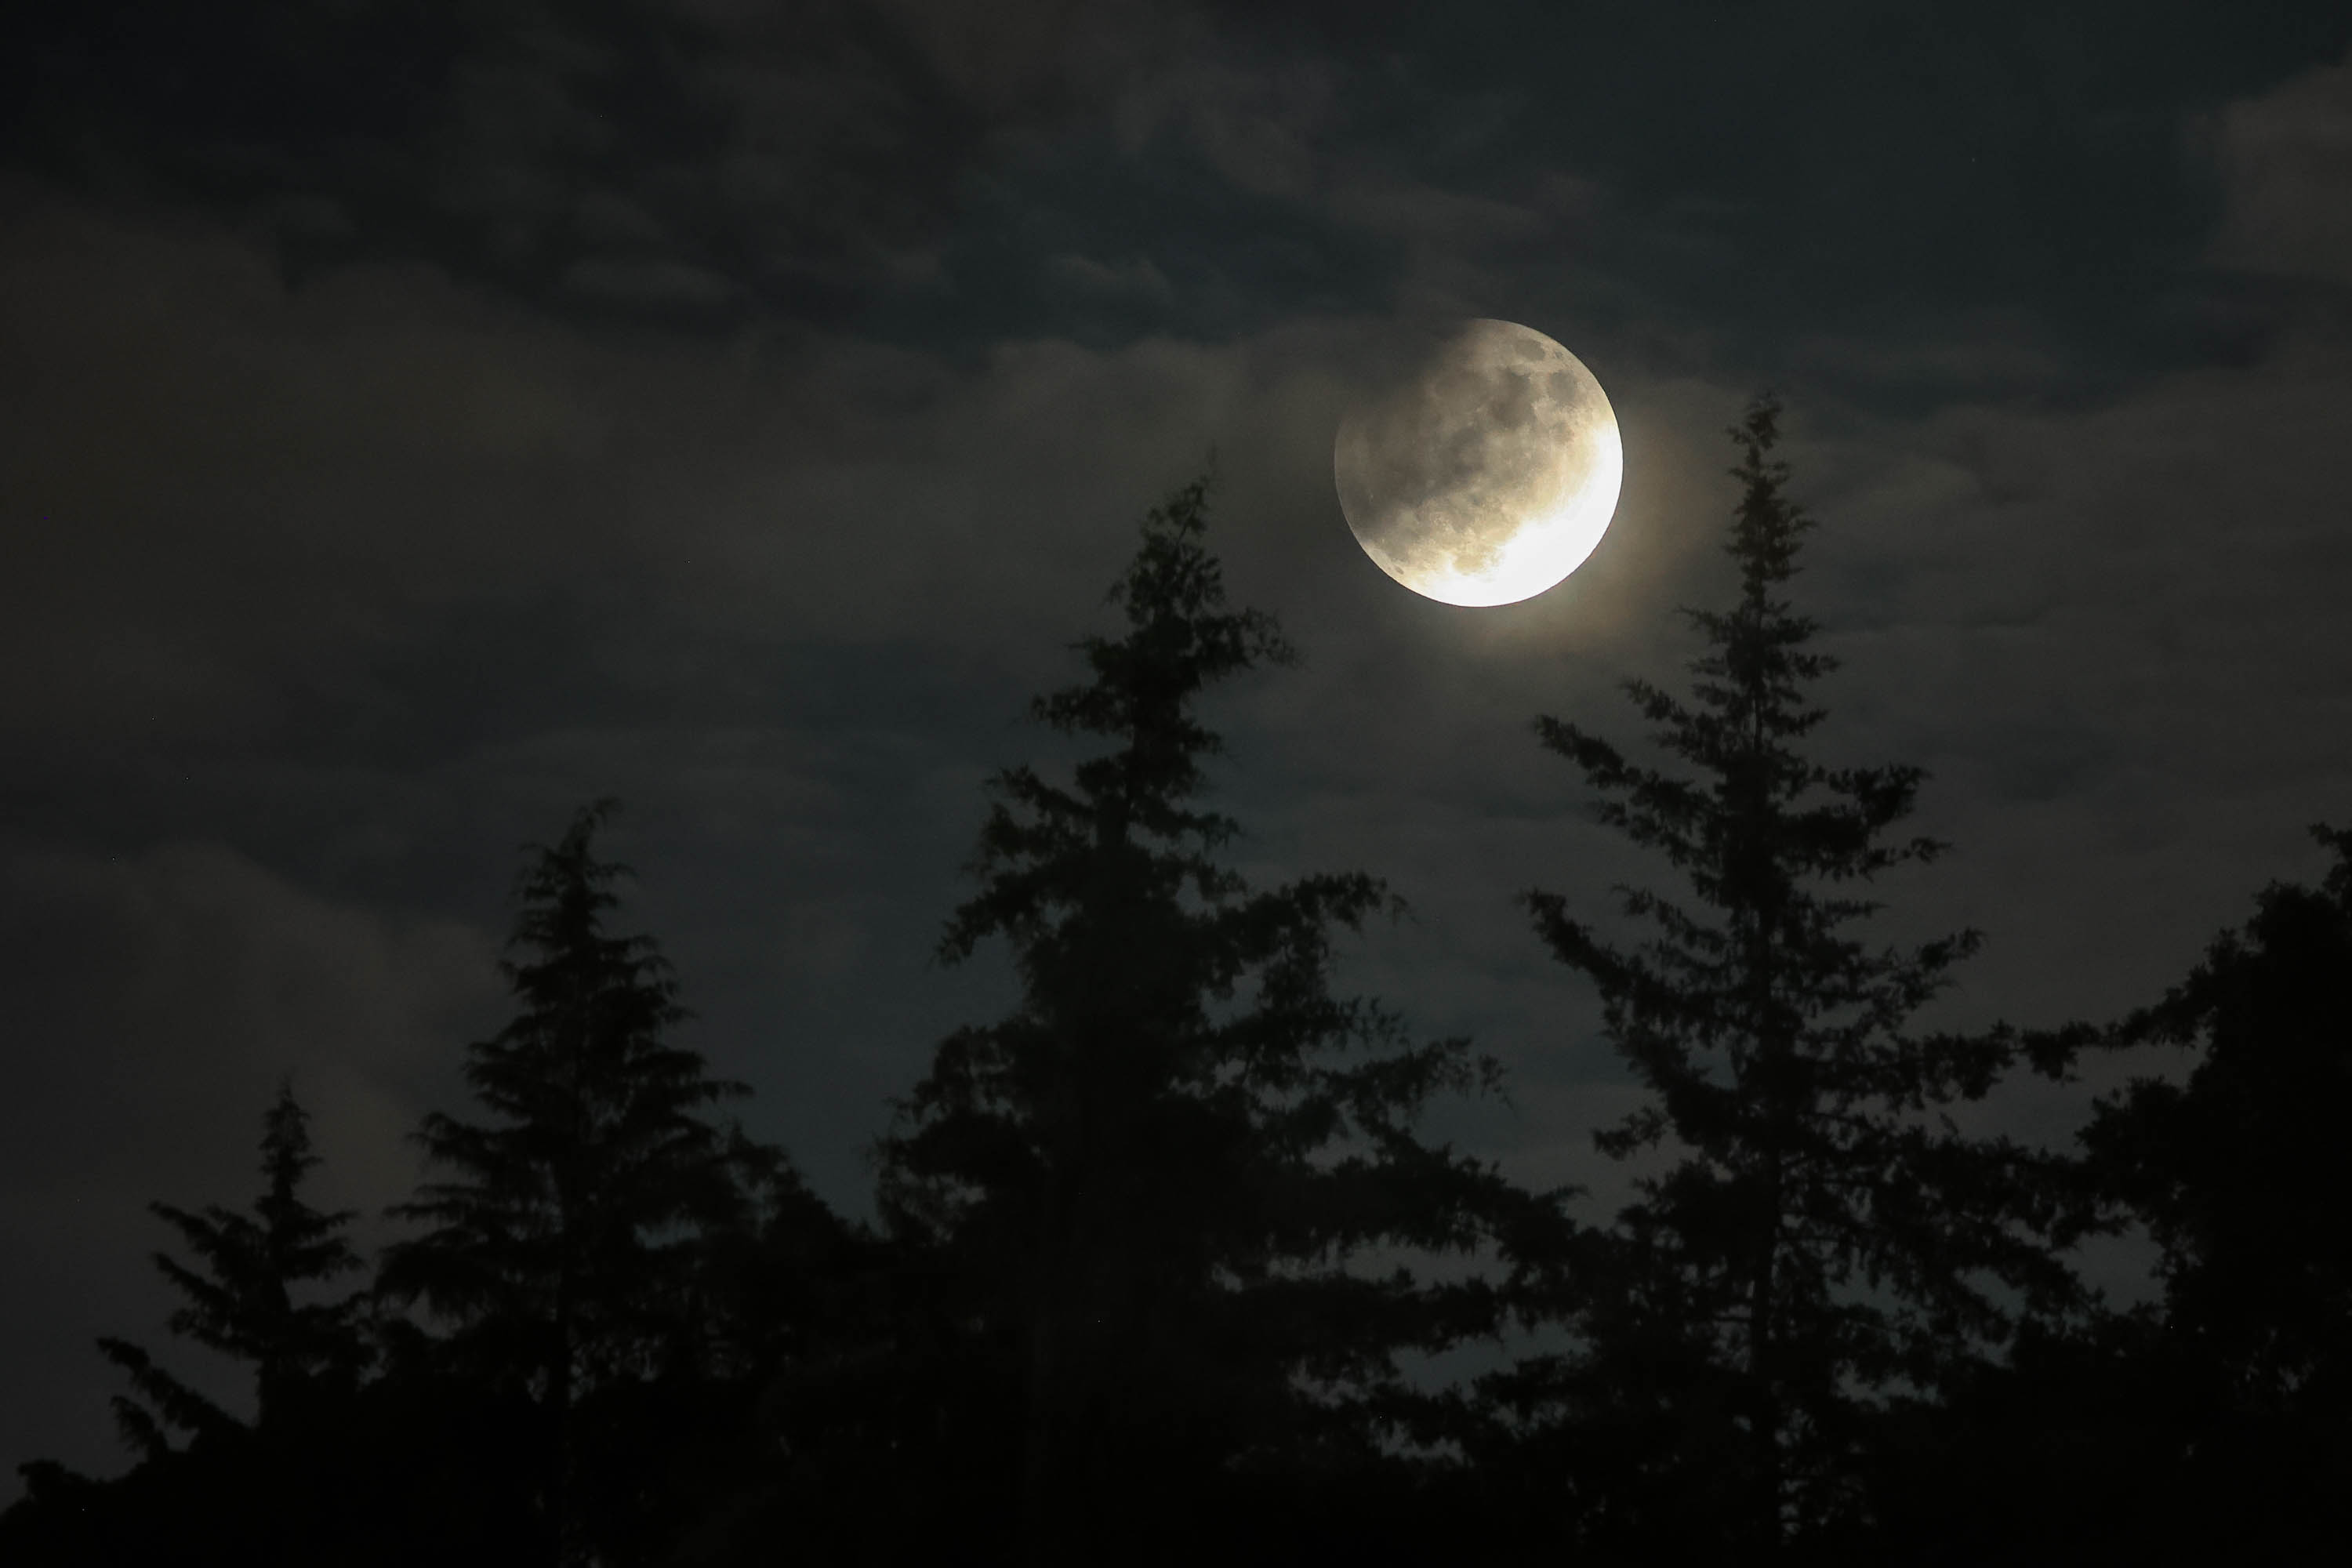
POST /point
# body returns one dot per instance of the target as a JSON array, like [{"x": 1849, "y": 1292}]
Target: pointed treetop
[
  {"x": 565, "y": 890},
  {"x": 557, "y": 1223},
  {"x": 1181, "y": 639},
  {"x": 1045, "y": 844},
  {"x": 251, "y": 1294},
  {"x": 1768, "y": 526}
]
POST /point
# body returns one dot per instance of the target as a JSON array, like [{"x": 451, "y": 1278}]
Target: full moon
[{"x": 1486, "y": 471}]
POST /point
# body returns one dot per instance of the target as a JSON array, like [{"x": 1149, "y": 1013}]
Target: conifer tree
[
  {"x": 2243, "y": 1177},
  {"x": 1154, "y": 1167},
  {"x": 251, "y": 1296},
  {"x": 565, "y": 1247},
  {"x": 2240, "y": 1170},
  {"x": 1817, "y": 1234}
]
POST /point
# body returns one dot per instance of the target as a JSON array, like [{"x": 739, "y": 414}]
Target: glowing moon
[{"x": 1486, "y": 472}]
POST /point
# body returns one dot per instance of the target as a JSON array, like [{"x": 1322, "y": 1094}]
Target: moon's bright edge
[{"x": 1488, "y": 473}]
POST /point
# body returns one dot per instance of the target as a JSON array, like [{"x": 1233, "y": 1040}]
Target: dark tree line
[{"x": 1157, "y": 1249}]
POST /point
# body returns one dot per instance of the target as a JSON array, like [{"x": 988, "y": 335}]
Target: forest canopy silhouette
[{"x": 1163, "y": 1248}]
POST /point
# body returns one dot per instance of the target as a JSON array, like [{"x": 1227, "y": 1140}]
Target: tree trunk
[
  {"x": 571, "y": 1547},
  {"x": 1765, "y": 1430},
  {"x": 1043, "y": 1527}
]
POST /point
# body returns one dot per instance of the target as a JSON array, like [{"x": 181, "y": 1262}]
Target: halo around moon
[{"x": 1486, "y": 470}]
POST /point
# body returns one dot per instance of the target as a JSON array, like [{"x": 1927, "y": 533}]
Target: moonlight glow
[{"x": 1487, "y": 472}]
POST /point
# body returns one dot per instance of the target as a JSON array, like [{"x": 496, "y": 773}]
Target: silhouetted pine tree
[
  {"x": 1820, "y": 1235},
  {"x": 568, "y": 1243},
  {"x": 2216, "y": 1421},
  {"x": 2242, "y": 1174},
  {"x": 1153, "y": 1169},
  {"x": 251, "y": 1296}
]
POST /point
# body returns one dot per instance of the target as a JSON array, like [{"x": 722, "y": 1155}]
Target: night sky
[{"x": 419, "y": 418}]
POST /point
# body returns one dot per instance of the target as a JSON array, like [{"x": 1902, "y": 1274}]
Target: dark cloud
[
  {"x": 737, "y": 407},
  {"x": 2284, "y": 162},
  {"x": 674, "y": 162}
]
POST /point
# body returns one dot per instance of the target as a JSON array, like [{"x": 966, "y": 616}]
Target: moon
[{"x": 1487, "y": 470}]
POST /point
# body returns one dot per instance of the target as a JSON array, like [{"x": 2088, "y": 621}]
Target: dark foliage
[
  {"x": 326, "y": 1470},
  {"x": 2216, "y": 1423},
  {"x": 1157, "y": 1242},
  {"x": 598, "y": 1168},
  {"x": 574, "y": 1242},
  {"x": 622, "y": 1282},
  {"x": 407, "y": 1470},
  {"x": 2242, "y": 1173},
  {"x": 1820, "y": 1236},
  {"x": 253, "y": 1297},
  {"x": 1153, "y": 1174}
]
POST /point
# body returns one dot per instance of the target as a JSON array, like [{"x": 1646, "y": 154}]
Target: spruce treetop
[
  {"x": 597, "y": 1158},
  {"x": 1181, "y": 640},
  {"x": 251, "y": 1295}
]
